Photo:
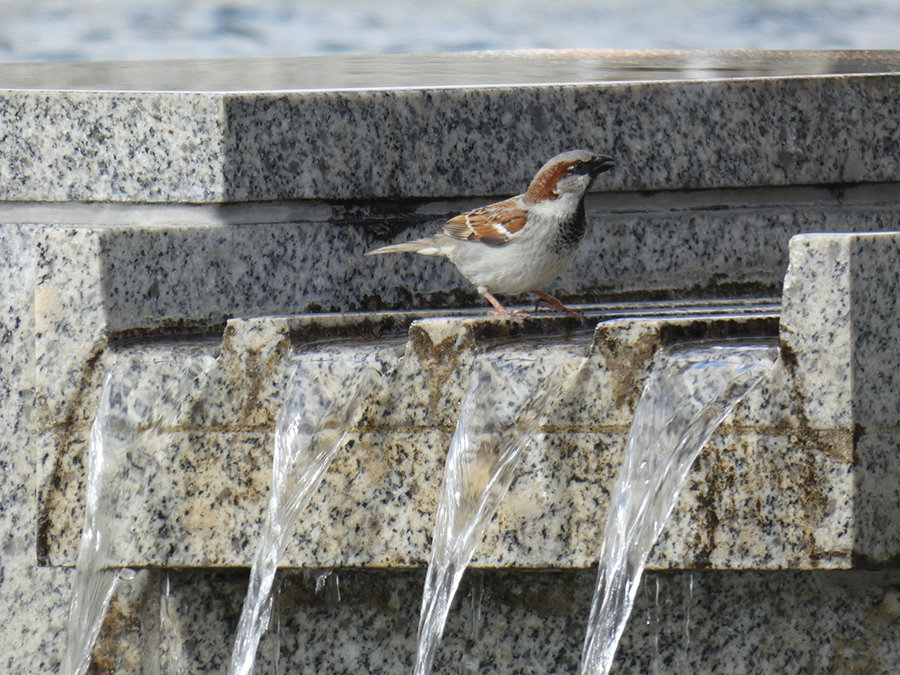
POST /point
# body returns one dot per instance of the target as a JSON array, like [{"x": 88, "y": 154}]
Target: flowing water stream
[
  {"x": 503, "y": 409},
  {"x": 143, "y": 393},
  {"x": 687, "y": 395},
  {"x": 689, "y": 392},
  {"x": 322, "y": 403}
]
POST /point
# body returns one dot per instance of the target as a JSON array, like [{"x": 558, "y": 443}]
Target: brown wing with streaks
[{"x": 492, "y": 225}]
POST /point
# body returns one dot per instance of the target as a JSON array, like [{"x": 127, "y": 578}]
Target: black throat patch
[{"x": 571, "y": 232}]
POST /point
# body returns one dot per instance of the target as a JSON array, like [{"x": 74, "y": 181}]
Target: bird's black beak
[{"x": 600, "y": 164}]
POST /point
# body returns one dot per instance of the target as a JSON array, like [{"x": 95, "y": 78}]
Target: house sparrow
[{"x": 524, "y": 242}]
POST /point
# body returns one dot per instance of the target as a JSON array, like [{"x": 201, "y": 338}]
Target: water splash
[
  {"x": 470, "y": 663},
  {"x": 143, "y": 393},
  {"x": 321, "y": 405},
  {"x": 687, "y": 395},
  {"x": 682, "y": 658},
  {"x": 502, "y": 411},
  {"x": 172, "y": 659},
  {"x": 653, "y": 623}
]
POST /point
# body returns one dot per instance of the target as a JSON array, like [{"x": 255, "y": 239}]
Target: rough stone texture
[
  {"x": 33, "y": 599},
  {"x": 89, "y": 146},
  {"x": 76, "y": 280},
  {"x": 850, "y": 320},
  {"x": 716, "y": 623},
  {"x": 442, "y": 141},
  {"x": 772, "y": 489}
]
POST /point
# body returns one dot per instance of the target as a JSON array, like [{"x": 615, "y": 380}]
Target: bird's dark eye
[{"x": 578, "y": 168}]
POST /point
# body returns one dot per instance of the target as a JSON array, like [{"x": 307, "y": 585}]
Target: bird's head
[{"x": 568, "y": 173}]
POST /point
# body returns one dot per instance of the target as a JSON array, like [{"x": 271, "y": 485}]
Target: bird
[{"x": 522, "y": 243}]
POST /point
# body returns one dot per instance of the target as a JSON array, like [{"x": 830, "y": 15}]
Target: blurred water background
[{"x": 90, "y": 30}]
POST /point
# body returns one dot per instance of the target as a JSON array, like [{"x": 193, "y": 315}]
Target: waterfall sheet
[
  {"x": 687, "y": 395},
  {"x": 503, "y": 409},
  {"x": 145, "y": 392},
  {"x": 323, "y": 401}
]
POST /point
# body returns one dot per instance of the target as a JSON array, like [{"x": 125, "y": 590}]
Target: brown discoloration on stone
[
  {"x": 627, "y": 363},
  {"x": 255, "y": 367},
  {"x": 440, "y": 360},
  {"x": 718, "y": 329},
  {"x": 64, "y": 434},
  {"x": 302, "y": 333},
  {"x": 710, "y": 498},
  {"x": 115, "y": 649},
  {"x": 788, "y": 357},
  {"x": 170, "y": 328}
]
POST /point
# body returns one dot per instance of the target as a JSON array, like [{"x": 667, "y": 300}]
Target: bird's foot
[
  {"x": 551, "y": 303},
  {"x": 517, "y": 313},
  {"x": 500, "y": 310}
]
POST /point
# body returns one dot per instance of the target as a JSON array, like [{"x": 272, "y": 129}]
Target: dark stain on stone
[
  {"x": 718, "y": 329},
  {"x": 858, "y": 432},
  {"x": 627, "y": 363},
  {"x": 383, "y": 219},
  {"x": 170, "y": 330},
  {"x": 254, "y": 378},
  {"x": 501, "y": 329},
  {"x": 788, "y": 357},
  {"x": 708, "y": 499},
  {"x": 46, "y": 507},
  {"x": 63, "y": 435},
  {"x": 111, "y": 647},
  {"x": 439, "y": 360},
  {"x": 365, "y": 327},
  {"x": 862, "y": 561}
]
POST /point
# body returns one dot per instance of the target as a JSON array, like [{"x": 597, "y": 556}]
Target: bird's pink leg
[
  {"x": 555, "y": 305},
  {"x": 500, "y": 310}
]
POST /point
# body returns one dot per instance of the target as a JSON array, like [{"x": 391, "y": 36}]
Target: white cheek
[
  {"x": 560, "y": 208},
  {"x": 575, "y": 183}
]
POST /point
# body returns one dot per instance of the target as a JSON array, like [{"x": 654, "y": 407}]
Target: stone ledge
[{"x": 439, "y": 141}]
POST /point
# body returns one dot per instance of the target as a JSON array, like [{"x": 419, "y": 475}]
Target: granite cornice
[
  {"x": 111, "y": 146},
  {"x": 195, "y": 147}
]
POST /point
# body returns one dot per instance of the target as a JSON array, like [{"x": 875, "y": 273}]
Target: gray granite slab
[
  {"x": 33, "y": 599},
  {"x": 442, "y": 141},
  {"x": 803, "y": 475},
  {"x": 87, "y": 146},
  {"x": 790, "y": 481},
  {"x": 709, "y": 623},
  {"x": 835, "y": 312}
]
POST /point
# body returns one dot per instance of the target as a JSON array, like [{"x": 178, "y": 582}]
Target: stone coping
[
  {"x": 763, "y": 123},
  {"x": 448, "y": 69}
]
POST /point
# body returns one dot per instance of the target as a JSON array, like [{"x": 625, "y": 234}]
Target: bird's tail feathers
[{"x": 423, "y": 246}]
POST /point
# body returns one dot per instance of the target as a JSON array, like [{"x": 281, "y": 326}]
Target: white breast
[{"x": 529, "y": 261}]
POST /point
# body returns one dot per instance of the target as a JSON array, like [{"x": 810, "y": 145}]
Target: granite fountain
[{"x": 214, "y": 205}]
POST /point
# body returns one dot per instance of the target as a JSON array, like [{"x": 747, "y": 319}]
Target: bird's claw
[{"x": 554, "y": 305}]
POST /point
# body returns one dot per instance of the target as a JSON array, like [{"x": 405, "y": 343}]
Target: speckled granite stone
[
  {"x": 115, "y": 279},
  {"x": 442, "y": 141},
  {"x": 741, "y": 133},
  {"x": 374, "y": 507},
  {"x": 840, "y": 313},
  {"x": 33, "y": 599},
  {"x": 779, "y": 486},
  {"x": 803, "y": 475},
  {"x": 709, "y": 623},
  {"x": 90, "y": 146}
]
